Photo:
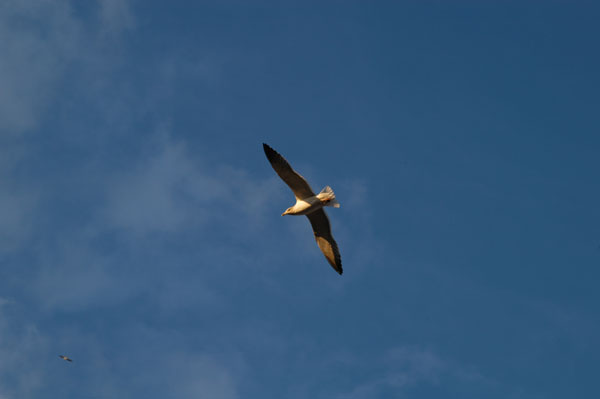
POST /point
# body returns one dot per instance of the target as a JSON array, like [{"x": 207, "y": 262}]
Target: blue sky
[{"x": 140, "y": 227}]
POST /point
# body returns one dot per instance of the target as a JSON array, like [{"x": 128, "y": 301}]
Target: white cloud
[
  {"x": 5, "y": 301},
  {"x": 405, "y": 367},
  {"x": 15, "y": 216},
  {"x": 402, "y": 367},
  {"x": 75, "y": 277},
  {"x": 20, "y": 349},
  {"x": 157, "y": 363},
  {"x": 165, "y": 193},
  {"x": 37, "y": 41},
  {"x": 43, "y": 43},
  {"x": 194, "y": 376},
  {"x": 168, "y": 190},
  {"x": 147, "y": 199},
  {"x": 116, "y": 16},
  {"x": 171, "y": 368}
]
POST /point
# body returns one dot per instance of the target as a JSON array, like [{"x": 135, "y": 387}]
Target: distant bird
[
  {"x": 309, "y": 204},
  {"x": 63, "y": 357}
]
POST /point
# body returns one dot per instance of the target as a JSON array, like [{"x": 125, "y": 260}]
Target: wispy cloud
[
  {"x": 166, "y": 195},
  {"x": 168, "y": 190},
  {"x": 72, "y": 276},
  {"x": 116, "y": 16},
  {"x": 4, "y": 301},
  {"x": 110, "y": 255},
  {"x": 47, "y": 45},
  {"x": 403, "y": 368},
  {"x": 39, "y": 39},
  {"x": 15, "y": 220},
  {"x": 164, "y": 231},
  {"x": 400, "y": 367},
  {"x": 20, "y": 347},
  {"x": 190, "y": 376},
  {"x": 152, "y": 362}
]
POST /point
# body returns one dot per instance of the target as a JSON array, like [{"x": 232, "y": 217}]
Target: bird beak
[{"x": 283, "y": 214}]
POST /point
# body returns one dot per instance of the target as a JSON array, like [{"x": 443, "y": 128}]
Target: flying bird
[
  {"x": 309, "y": 204},
  {"x": 63, "y": 357}
]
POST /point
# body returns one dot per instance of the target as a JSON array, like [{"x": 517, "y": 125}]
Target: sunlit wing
[
  {"x": 322, "y": 230},
  {"x": 293, "y": 179}
]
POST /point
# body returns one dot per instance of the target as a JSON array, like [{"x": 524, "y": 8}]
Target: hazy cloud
[
  {"x": 4, "y": 301},
  {"x": 403, "y": 368},
  {"x": 37, "y": 41},
  {"x": 168, "y": 190},
  {"x": 20, "y": 349},
  {"x": 196, "y": 376},
  {"x": 73, "y": 276},
  {"x": 116, "y": 15},
  {"x": 15, "y": 216}
]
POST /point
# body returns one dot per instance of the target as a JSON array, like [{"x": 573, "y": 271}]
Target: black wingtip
[
  {"x": 267, "y": 148},
  {"x": 271, "y": 154}
]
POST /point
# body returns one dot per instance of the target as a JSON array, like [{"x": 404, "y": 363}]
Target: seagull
[
  {"x": 309, "y": 204},
  {"x": 63, "y": 357}
]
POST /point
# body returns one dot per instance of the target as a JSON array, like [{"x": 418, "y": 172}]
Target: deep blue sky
[{"x": 140, "y": 227}]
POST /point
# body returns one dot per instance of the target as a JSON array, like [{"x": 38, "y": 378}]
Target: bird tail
[{"x": 327, "y": 197}]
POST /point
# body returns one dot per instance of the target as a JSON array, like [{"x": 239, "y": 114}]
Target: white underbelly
[{"x": 306, "y": 206}]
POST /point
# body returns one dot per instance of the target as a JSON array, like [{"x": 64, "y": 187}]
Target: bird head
[{"x": 287, "y": 211}]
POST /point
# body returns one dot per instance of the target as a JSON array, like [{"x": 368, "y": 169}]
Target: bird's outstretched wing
[
  {"x": 322, "y": 229},
  {"x": 293, "y": 179},
  {"x": 65, "y": 358}
]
